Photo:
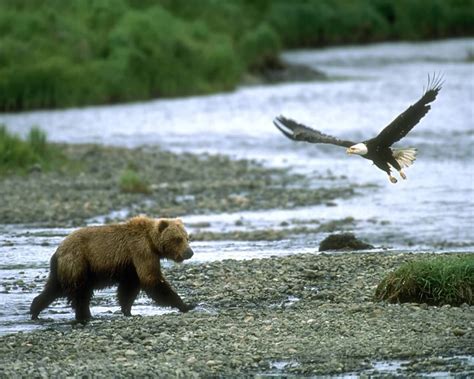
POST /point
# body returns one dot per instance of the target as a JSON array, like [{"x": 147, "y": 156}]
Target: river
[{"x": 366, "y": 88}]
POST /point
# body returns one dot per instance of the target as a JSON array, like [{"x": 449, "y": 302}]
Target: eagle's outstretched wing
[
  {"x": 299, "y": 132},
  {"x": 405, "y": 122}
]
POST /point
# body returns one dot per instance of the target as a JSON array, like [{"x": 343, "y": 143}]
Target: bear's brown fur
[{"x": 126, "y": 254}]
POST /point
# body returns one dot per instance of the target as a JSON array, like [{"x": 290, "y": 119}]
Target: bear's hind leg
[
  {"x": 80, "y": 303},
  {"x": 45, "y": 298},
  {"x": 52, "y": 290},
  {"x": 127, "y": 292}
]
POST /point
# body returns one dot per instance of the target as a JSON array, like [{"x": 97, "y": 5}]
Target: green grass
[
  {"x": 21, "y": 155},
  {"x": 435, "y": 281},
  {"x": 56, "y": 53},
  {"x": 130, "y": 181}
]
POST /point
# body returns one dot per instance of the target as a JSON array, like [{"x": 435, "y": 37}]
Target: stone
[{"x": 343, "y": 241}]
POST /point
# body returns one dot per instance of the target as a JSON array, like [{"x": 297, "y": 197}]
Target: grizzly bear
[{"x": 126, "y": 254}]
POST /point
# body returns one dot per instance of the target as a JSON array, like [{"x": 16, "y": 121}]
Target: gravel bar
[
  {"x": 177, "y": 184},
  {"x": 300, "y": 315}
]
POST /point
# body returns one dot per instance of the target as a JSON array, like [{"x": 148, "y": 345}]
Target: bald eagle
[{"x": 377, "y": 149}]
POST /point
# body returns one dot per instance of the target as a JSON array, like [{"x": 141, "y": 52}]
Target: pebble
[
  {"x": 179, "y": 184},
  {"x": 240, "y": 327},
  {"x": 246, "y": 332}
]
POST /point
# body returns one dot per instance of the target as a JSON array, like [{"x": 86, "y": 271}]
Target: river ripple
[{"x": 369, "y": 86}]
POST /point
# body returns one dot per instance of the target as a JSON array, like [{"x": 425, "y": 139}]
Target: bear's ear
[{"x": 163, "y": 224}]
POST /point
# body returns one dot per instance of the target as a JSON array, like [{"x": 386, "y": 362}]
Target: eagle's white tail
[{"x": 405, "y": 157}]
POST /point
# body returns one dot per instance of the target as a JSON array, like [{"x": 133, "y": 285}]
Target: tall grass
[
  {"x": 57, "y": 53},
  {"x": 435, "y": 281},
  {"x": 130, "y": 181},
  {"x": 18, "y": 155}
]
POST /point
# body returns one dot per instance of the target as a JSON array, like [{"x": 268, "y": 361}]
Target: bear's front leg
[
  {"x": 154, "y": 284},
  {"x": 163, "y": 294},
  {"x": 128, "y": 291}
]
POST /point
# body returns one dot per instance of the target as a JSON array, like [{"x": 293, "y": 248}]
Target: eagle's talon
[
  {"x": 402, "y": 174},
  {"x": 393, "y": 179}
]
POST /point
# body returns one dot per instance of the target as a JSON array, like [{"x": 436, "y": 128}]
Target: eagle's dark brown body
[{"x": 377, "y": 149}]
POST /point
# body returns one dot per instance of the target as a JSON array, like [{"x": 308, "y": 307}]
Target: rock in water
[{"x": 343, "y": 241}]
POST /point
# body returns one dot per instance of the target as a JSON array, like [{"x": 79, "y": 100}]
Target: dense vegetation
[
  {"x": 435, "y": 281},
  {"x": 56, "y": 53},
  {"x": 32, "y": 153}
]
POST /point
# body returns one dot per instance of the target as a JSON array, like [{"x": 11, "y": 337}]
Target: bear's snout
[{"x": 188, "y": 253}]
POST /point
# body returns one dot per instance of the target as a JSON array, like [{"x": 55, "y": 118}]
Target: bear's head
[{"x": 172, "y": 239}]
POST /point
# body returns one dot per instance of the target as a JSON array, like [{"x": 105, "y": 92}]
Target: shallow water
[
  {"x": 373, "y": 85},
  {"x": 393, "y": 368},
  {"x": 368, "y": 87}
]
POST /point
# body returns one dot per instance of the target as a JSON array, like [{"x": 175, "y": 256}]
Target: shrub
[
  {"x": 57, "y": 53},
  {"x": 260, "y": 47},
  {"x": 14, "y": 152},
  {"x": 37, "y": 141},
  {"x": 300, "y": 23},
  {"x": 18, "y": 155},
  {"x": 435, "y": 281},
  {"x": 131, "y": 182}
]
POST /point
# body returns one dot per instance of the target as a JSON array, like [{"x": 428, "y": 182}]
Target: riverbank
[
  {"x": 297, "y": 315},
  {"x": 176, "y": 184},
  {"x": 202, "y": 47}
]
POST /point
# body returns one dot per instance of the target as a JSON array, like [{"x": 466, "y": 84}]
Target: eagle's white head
[{"x": 358, "y": 148}]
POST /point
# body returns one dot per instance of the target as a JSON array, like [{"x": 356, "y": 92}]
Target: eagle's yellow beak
[{"x": 349, "y": 150}]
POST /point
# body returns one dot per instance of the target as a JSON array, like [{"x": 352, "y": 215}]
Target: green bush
[
  {"x": 131, "y": 182},
  {"x": 18, "y": 155},
  {"x": 260, "y": 47},
  {"x": 57, "y": 53},
  {"x": 37, "y": 142},
  {"x": 14, "y": 152},
  {"x": 301, "y": 23},
  {"x": 356, "y": 23},
  {"x": 435, "y": 281}
]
